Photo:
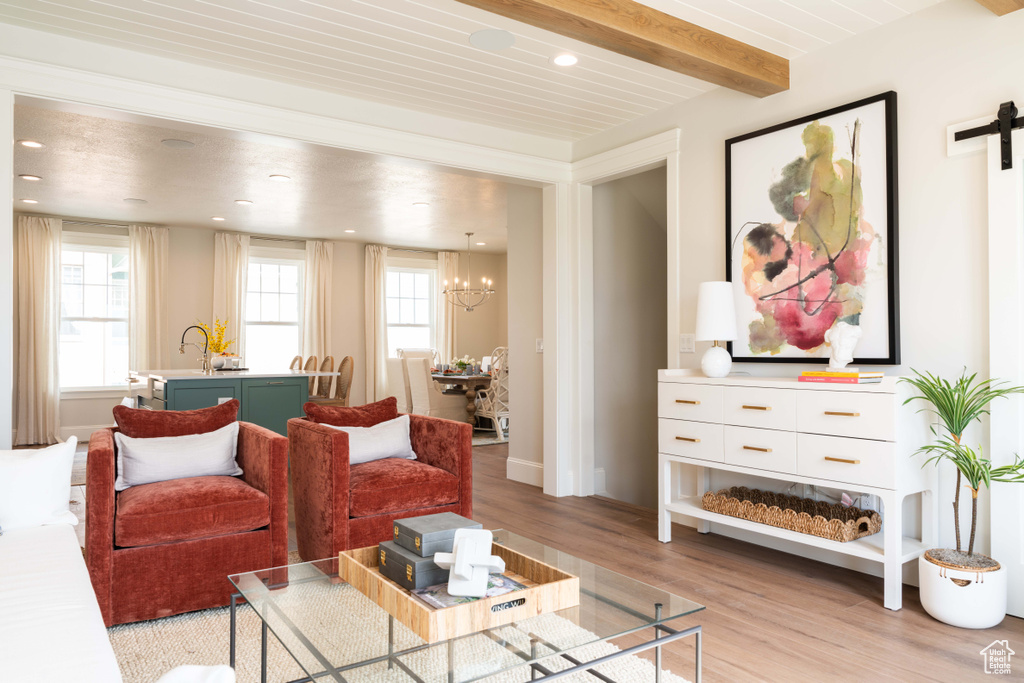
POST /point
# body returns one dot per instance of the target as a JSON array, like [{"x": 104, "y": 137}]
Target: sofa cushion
[
  {"x": 34, "y": 486},
  {"x": 391, "y": 485},
  {"x": 183, "y": 509},
  {"x": 146, "y": 461},
  {"x": 139, "y": 423},
  {"x": 355, "y": 416}
]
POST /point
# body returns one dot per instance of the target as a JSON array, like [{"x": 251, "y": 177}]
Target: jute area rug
[{"x": 350, "y": 628}]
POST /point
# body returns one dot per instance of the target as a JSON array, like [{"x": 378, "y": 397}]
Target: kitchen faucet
[{"x": 207, "y": 368}]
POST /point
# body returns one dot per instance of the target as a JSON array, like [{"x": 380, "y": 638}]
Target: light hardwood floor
[{"x": 770, "y": 615}]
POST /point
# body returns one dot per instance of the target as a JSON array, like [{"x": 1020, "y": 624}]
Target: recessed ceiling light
[
  {"x": 30, "y": 201},
  {"x": 421, "y": 205},
  {"x": 216, "y": 218},
  {"x": 280, "y": 178},
  {"x": 174, "y": 143},
  {"x": 29, "y": 177},
  {"x": 350, "y": 231},
  {"x": 134, "y": 200},
  {"x": 243, "y": 202},
  {"x": 481, "y": 244},
  {"x": 565, "y": 59},
  {"x": 30, "y": 143},
  {"x": 492, "y": 39}
]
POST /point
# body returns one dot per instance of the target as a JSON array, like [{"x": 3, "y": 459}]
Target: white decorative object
[
  {"x": 145, "y": 461},
  {"x": 220, "y": 362},
  {"x": 842, "y": 338},
  {"x": 35, "y": 485},
  {"x": 716, "y": 322},
  {"x": 470, "y": 562},
  {"x": 963, "y": 598},
  {"x": 388, "y": 439},
  {"x": 852, "y": 437}
]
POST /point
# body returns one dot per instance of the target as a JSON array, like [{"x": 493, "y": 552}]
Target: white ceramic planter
[{"x": 979, "y": 603}]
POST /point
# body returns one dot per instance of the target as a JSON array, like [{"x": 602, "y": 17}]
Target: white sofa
[{"x": 51, "y": 628}]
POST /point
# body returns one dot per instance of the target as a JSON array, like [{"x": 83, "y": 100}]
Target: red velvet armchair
[
  {"x": 165, "y": 548},
  {"x": 339, "y": 506}
]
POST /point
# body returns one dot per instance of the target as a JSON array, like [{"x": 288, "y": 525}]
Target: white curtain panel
[
  {"x": 316, "y": 304},
  {"x": 447, "y": 270},
  {"x": 37, "y": 388},
  {"x": 148, "y": 279},
  {"x": 376, "y": 323},
  {"x": 230, "y": 281}
]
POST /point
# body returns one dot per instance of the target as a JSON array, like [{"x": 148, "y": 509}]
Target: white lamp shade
[{"x": 716, "y": 312}]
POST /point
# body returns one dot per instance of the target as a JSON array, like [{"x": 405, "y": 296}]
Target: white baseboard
[
  {"x": 81, "y": 432},
  {"x": 600, "y": 483},
  {"x": 525, "y": 471}
]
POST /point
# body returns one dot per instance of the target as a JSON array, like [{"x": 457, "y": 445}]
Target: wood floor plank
[{"x": 769, "y": 615}]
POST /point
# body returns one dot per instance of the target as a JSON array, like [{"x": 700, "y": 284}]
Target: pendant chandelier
[{"x": 463, "y": 295}]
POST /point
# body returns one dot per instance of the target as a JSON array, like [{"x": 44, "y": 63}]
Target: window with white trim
[
  {"x": 273, "y": 309},
  {"x": 93, "y": 340},
  {"x": 411, "y": 295}
]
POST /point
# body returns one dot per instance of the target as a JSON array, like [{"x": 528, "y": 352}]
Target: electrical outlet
[
  {"x": 540, "y": 346},
  {"x": 687, "y": 343}
]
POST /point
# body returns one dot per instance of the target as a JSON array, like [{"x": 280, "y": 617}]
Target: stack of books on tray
[{"x": 842, "y": 377}]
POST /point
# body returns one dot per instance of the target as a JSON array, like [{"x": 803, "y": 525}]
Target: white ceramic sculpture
[
  {"x": 470, "y": 562},
  {"x": 842, "y": 338}
]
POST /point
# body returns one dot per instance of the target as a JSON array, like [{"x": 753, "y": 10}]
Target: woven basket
[{"x": 818, "y": 518}]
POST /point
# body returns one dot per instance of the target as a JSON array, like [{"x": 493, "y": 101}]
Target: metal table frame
[{"x": 663, "y": 635}]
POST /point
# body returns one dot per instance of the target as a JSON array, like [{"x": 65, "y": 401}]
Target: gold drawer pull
[
  {"x": 848, "y": 461},
  {"x": 687, "y": 438},
  {"x": 757, "y": 448},
  {"x": 687, "y": 401},
  {"x": 757, "y": 407},
  {"x": 841, "y": 414}
]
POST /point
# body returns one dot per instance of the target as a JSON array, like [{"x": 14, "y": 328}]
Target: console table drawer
[
  {"x": 764, "y": 449},
  {"x": 759, "y": 407},
  {"x": 699, "y": 402},
  {"x": 846, "y": 461},
  {"x": 847, "y": 413},
  {"x": 691, "y": 439}
]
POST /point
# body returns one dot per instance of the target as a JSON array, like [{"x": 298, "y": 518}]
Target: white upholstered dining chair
[
  {"x": 398, "y": 384},
  {"x": 427, "y": 397}
]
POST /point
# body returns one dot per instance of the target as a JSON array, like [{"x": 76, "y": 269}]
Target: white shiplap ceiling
[
  {"x": 416, "y": 53},
  {"x": 93, "y": 159}
]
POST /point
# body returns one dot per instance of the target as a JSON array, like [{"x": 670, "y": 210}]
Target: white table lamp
[{"x": 716, "y": 322}]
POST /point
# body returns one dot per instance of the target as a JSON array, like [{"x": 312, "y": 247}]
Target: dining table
[{"x": 471, "y": 383}]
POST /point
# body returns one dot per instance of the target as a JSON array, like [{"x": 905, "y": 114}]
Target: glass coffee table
[{"x": 334, "y": 633}]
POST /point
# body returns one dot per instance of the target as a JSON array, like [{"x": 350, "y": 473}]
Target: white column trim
[{"x": 7, "y": 273}]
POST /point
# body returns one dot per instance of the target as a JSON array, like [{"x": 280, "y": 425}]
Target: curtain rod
[
  {"x": 97, "y": 224},
  {"x": 412, "y": 251}
]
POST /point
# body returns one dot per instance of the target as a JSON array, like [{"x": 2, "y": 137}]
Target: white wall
[
  {"x": 482, "y": 330},
  {"x": 630, "y": 298},
  {"x": 526, "y": 311},
  {"x": 950, "y": 63}
]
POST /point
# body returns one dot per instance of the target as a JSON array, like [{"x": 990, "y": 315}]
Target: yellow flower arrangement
[{"x": 217, "y": 343}]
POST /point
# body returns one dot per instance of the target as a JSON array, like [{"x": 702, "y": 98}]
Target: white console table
[{"x": 857, "y": 438}]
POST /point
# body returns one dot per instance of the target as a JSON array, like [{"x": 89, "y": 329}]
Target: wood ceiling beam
[
  {"x": 643, "y": 33},
  {"x": 1002, "y": 7}
]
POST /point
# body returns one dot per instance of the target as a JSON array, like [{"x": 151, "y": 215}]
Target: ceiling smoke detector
[{"x": 492, "y": 39}]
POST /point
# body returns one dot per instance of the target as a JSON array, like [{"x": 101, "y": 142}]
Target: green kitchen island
[{"x": 268, "y": 399}]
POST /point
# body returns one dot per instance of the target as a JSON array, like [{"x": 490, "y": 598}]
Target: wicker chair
[
  {"x": 323, "y": 385},
  {"x": 311, "y": 367},
  {"x": 296, "y": 363},
  {"x": 342, "y": 387},
  {"x": 492, "y": 403}
]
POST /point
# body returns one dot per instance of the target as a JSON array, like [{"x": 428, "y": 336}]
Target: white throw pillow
[
  {"x": 35, "y": 486},
  {"x": 145, "y": 461},
  {"x": 385, "y": 440}
]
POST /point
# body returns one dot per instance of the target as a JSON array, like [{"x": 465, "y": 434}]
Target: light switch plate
[
  {"x": 540, "y": 346},
  {"x": 687, "y": 343}
]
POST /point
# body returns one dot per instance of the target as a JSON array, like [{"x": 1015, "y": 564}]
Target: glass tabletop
[{"x": 336, "y": 633}]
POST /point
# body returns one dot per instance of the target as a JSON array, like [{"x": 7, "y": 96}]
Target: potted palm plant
[{"x": 961, "y": 587}]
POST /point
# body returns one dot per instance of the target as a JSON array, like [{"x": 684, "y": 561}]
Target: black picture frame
[{"x": 885, "y": 161}]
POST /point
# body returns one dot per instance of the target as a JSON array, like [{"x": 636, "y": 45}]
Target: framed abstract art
[{"x": 811, "y": 227}]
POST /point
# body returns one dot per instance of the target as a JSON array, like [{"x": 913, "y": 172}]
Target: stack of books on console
[{"x": 842, "y": 377}]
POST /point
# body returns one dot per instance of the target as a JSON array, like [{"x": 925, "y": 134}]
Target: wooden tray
[{"x": 550, "y": 589}]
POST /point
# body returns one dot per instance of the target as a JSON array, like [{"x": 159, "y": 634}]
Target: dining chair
[
  {"x": 427, "y": 397},
  {"x": 492, "y": 403},
  {"x": 296, "y": 363},
  {"x": 344, "y": 381},
  {"x": 311, "y": 367},
  {"x": 323, "y": 385},
  {"x": 432, "y": 356},
  {"x": 398, "y": 384}
]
